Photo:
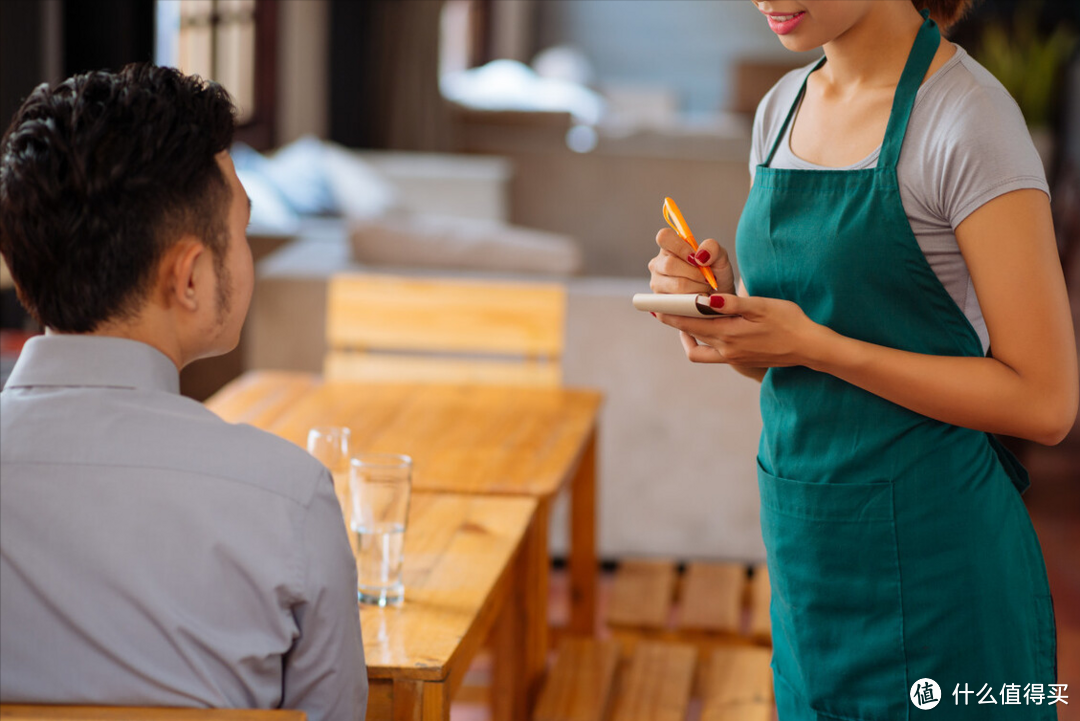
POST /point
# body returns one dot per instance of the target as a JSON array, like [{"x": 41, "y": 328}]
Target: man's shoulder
[
  {"x": 267, "y": 461},
  {"x": 153, "y": 431}
]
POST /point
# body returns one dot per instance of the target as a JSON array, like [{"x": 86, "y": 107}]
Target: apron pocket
[{"x": 836, "y": 608}]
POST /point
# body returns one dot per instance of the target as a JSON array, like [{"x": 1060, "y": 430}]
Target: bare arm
[{"x": 1029, "y": 388}]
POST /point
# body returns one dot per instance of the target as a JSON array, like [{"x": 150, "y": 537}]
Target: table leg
[
  {"x": 583, "y": 562},
  {"x": 509, "y": 685},
  {"x": 419, "y": 701},
  {"x": 536, "y": 565}
]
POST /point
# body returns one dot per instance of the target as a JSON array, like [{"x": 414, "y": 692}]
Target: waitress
[{"x": 901, "y": 300}]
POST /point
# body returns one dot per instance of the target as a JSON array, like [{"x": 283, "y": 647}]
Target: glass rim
[
  {"x": 380, "y": 460},
  {"x": 329, "y": 430}
]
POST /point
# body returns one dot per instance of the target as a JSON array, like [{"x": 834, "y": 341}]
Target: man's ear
[{"x": 180, "y": 273}]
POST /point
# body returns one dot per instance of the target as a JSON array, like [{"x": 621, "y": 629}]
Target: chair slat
[
  {"x": 712, "y": 597},
  {"x": 641, "y": 594},
  {"x": 49, "y": 712},
  {"x": 422, "y": 314},
  {"x": 740, "y": 712},
  {"x": 760, "y": 625},
  {"x": 658, "y": 683},
  {"x": 579, "y": 685},
  {"x": 738, "y": 675}
]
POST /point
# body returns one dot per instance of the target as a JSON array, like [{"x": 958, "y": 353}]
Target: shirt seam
[
  {"x": 990, "y": 193},
  {"x": 172, "y": 469},
  {"x": 299, "y": 570}
]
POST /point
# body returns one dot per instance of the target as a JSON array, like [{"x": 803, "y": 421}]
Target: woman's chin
[{"x": 797, "y": 44}]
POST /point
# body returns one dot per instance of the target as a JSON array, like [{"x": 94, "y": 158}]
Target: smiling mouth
[{"x": 784, "y": 23}]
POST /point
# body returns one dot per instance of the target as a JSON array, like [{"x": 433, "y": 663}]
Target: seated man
[{"x": 150, "y": 553}]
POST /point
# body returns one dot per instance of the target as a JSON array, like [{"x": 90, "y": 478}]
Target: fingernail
[
  {"x": 716, "y": 301},
  {"x": 703, "y": 257},
  {"x": 653, "y": 314},
  {"x": 690, "y": 259}
]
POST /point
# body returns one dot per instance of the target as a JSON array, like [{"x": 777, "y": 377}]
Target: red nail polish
[
  {"x": 716, "y": 301},
  {"x": 653, "y": 314},
  {"x": 703, "y": 257},
  {"x": 691, "y": 260}
]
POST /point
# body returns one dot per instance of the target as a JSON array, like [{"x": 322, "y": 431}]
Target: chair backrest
[
  {"x": 43, "y": 712},
  {"x": 382, "y": 327}
]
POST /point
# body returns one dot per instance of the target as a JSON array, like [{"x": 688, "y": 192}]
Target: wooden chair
[
  {"x": 650, "y": 599},
  {"x": 386, "y": 328},
  {"x": 41, "y": 712},
  {"x": 655, "y": 683},
  {"x": 579, "y": 686},
  {"x": 738, "y": 685}
]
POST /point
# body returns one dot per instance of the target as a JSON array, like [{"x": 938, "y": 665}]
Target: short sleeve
[{"x": 980, "y": 147}]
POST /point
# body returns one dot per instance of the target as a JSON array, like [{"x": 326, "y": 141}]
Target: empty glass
[
  {"x": 330, "y": 444},
  {"x": 380, "y": 485}
]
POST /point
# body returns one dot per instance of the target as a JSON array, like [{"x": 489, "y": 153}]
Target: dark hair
[
  {"x": 99, "y": 176},
  {"x": 944, "y": 12}
]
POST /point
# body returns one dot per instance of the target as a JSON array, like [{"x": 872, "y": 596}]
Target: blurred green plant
[{"x": 1028, "y": 63}]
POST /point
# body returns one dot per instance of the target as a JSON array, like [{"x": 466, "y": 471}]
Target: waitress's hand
[
  {"x": 754, "y": 332},
  {"x": 676, "y": 269}
]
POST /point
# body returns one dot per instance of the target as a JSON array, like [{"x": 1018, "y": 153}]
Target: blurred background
[
  {"x": 598, "y": 103},
  {"x": 537, "y": 138}
]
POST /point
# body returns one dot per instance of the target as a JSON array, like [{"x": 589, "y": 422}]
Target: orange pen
[{"x": 678, "y": 223}]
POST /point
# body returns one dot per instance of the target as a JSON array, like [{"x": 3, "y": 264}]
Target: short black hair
[{"x": 99, "y": 176}]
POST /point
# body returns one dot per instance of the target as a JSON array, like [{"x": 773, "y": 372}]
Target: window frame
[{"x": 259, "y": 130}]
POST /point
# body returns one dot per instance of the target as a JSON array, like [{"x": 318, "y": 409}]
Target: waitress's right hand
[{"x": 677, "y": 269}]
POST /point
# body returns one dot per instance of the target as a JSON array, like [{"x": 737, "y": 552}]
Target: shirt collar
[{"x": 82, "y": 360}]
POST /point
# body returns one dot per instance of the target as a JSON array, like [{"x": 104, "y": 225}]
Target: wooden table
[
  {"x": 514, "y": 441},
  {"x": 463, "y": 566}
]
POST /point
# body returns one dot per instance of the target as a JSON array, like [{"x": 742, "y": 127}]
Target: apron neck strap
[
  {"x": 918, "y": 62},
  {"x": 791, "y": 112}
]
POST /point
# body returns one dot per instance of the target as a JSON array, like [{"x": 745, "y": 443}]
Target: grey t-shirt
[
  {"x": 966, "y": 144},
  {"x": 153, "y": 554}
]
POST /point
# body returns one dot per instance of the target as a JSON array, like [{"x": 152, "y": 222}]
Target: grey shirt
[
  {"x": 153, "y": 554},
  {"x": 966, "y": 144}
]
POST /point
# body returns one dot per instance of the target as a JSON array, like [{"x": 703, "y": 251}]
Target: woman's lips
[{"x": 782, "y": 24}]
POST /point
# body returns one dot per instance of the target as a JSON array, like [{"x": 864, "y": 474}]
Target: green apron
[{"x": 898, "y": 547}]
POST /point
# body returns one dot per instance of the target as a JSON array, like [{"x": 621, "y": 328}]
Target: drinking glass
[
  {"x": 330, "y": 445},
  {"x": 380, "y": 485}
]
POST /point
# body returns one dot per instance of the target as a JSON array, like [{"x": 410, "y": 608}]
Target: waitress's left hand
[{"x": 756, "y": 332}]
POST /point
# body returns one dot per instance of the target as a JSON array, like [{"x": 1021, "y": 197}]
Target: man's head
[{"x": 118, "y": 198}]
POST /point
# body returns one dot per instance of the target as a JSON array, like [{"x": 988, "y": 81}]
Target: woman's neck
[{"x": 872, "y": 53}]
